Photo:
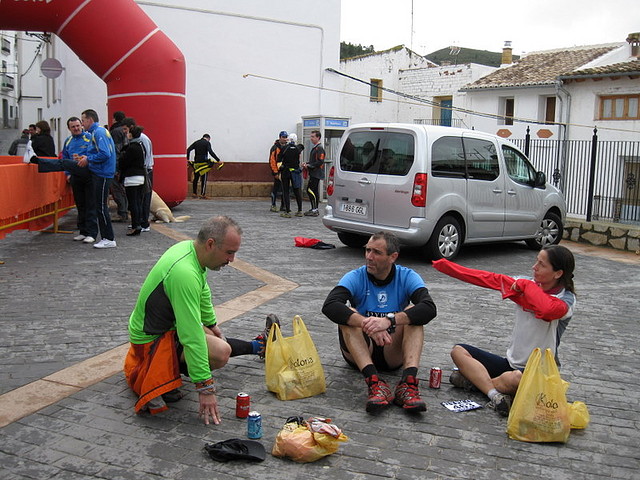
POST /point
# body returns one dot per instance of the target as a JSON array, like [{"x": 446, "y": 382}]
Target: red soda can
[
  {"x": 243, "y": 405},
  {"x": 435, "y": 377}
]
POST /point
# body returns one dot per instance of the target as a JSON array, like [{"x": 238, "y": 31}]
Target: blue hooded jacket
[{"x": 102, "y": 152}]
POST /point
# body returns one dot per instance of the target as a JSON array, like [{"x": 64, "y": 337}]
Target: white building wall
[
  {"x": 529, "y": 108},
  {"x": 442, "y": 81},
  {"x": 253, "y": 68},
  {"x": 585, "y": 105},
  {"x": 385, "y": 66}
]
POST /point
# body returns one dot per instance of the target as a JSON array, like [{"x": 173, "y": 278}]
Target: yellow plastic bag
[
  {"x": 540, "y": 412},
  {"x": 298, "y": 442},
  {"x": 578, "y": 415},
  {"x": 292, "y": 364}
]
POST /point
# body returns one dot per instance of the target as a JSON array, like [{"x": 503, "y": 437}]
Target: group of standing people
[
  {"x": 91, "y": 158},
  {"x": 287, "y": 171}
]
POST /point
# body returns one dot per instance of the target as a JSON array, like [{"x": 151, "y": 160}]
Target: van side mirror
[{"x": 540, "y": 180}]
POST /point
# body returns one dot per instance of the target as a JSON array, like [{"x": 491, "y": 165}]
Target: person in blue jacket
[{"x": 101, "y": 159}]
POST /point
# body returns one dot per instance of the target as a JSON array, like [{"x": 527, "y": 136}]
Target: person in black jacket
[
  {"x": 133, "y": 173},
  {"x": 201, "y": 163},
  {"x": 42, "y": 143},
  {"x": 291, "y": 175}
]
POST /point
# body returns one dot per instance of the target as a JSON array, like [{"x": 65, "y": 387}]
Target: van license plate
[{"x": 351, "y": 208}]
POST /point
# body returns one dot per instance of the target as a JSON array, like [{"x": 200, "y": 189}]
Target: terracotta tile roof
[
  {"x": 631, "y": 67},
  {"x": 541, "y": 68}
]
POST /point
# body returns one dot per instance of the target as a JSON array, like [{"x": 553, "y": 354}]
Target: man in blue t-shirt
[{"x": 377, "y": 328}]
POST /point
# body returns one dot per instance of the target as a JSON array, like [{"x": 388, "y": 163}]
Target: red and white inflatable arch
[{"x": 143, "y": 69}]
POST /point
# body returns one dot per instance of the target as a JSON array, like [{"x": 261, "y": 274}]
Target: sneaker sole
[
  {"x": 412, "y": 408},
  {"x": 376, "y": 407}
]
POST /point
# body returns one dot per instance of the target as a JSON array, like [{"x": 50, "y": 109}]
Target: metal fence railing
[{"x": 600, "y": 179}]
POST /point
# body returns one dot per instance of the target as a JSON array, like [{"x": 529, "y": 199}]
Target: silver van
[{"x": 438, "y": 187}]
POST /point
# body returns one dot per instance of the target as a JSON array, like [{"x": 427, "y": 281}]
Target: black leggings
[
  {"x": 203, "y": 180},
  {"x": 313, "y": 192}
]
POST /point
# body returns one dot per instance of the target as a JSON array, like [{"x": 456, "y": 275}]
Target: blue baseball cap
[{"x": 284, "y": 133}]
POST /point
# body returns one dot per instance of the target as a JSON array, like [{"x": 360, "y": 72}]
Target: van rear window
[{"x": 379, "y": 152}]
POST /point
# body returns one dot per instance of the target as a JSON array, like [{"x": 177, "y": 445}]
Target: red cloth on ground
[
  {"x": 152, "y": 369},
  {"x": 527, "y": 293}
]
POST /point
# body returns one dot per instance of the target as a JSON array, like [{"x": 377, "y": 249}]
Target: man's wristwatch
[{"x": 392, "y": 318}]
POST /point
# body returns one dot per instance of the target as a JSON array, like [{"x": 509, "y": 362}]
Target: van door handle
[
  {"x": 497, "y": 190},
  {"x": 511, "y": 192},
  {"x": 364, "y": 181}
]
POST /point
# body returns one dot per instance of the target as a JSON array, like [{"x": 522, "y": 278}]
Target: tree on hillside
[{"x": 348, "y": 50}]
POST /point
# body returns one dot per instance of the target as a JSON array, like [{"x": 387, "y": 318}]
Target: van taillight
[
  {"x": 330, "y": 181},
  {"x": 419, "y": 195}
]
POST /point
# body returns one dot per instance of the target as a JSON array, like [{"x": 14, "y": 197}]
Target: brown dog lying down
[{"x": 162, "y": 213}]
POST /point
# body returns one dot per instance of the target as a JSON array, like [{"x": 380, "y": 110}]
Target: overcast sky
[{"x": 485, "y": 24}]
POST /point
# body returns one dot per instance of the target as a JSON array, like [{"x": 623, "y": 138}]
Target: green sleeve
[{"x": 186, "y": 293}]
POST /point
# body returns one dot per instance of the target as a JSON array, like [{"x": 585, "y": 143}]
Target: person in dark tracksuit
[{"x": 315, "y": 167}]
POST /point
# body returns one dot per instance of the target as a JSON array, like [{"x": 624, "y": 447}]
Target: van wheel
[
  {"x": 446, "y": 239},
  {"x": 549, "y": 232},
  {"x": 352, "y": 240}
]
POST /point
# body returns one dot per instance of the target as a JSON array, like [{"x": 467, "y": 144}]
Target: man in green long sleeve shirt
[{"x": 174, "y": 315}]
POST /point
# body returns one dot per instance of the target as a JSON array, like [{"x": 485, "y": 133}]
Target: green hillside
[{"x": 467, "y": 55}]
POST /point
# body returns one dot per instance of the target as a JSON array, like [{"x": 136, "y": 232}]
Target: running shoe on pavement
[
  {"x": 408, "y": 396},
  {"x": 501, "y": 403},
  {"x": 262, "y": 338},
  {"x": 380, "y": 395}
]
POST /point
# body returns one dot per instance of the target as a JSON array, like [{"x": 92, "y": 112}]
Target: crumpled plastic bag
[
  {"x": 307, "y": 441},
  {"x": 578, "y": 415}
]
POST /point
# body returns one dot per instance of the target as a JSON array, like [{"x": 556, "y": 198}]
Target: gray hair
[
  {"x": 393, "y": 245},
  {"x": 216, "y": 228}
]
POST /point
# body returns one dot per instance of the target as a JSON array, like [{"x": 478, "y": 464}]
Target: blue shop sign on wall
[
  {"x": 334, "y": 122},
  {"x": 312, "y": 122}
]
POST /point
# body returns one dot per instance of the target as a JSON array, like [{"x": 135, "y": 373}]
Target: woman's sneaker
[
  {"x": 458, "y": 380},
  {"x": 501, "y": 403}
]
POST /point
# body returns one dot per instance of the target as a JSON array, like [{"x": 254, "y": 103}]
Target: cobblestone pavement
[{"x": 63, "y": 302}]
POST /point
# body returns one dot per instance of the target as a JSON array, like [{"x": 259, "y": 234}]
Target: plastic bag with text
[
  {"x": 540, "y": 412},
  {"x": 292, "y": 364},
  {"x": 308, "y": 441}
]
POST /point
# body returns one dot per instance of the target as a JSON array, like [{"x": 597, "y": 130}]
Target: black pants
[
  {"x": 313, "y": 192},
  {"x": 287, "y": 181},
  {"x": 85, "y": 199},
  {"x": 275, "y": 191},
  {"x": 146, "y": 201},
  {"x": 203, "y": 183},
  {"x": 135, "y": 196},
  {"x": 101, "y": 194}
]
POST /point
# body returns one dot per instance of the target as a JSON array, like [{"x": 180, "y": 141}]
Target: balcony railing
[
  {"x": 451, "y": 122},
  {"x": 6, "y": 82}
]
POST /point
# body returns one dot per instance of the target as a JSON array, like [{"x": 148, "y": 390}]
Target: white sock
[{"x": 492, "y": 393}]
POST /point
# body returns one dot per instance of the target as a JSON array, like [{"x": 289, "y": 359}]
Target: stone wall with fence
[{"x": 612, "y": 235}]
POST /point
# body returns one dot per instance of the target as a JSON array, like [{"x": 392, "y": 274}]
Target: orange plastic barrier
[{"x": 31, "y": 200}]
